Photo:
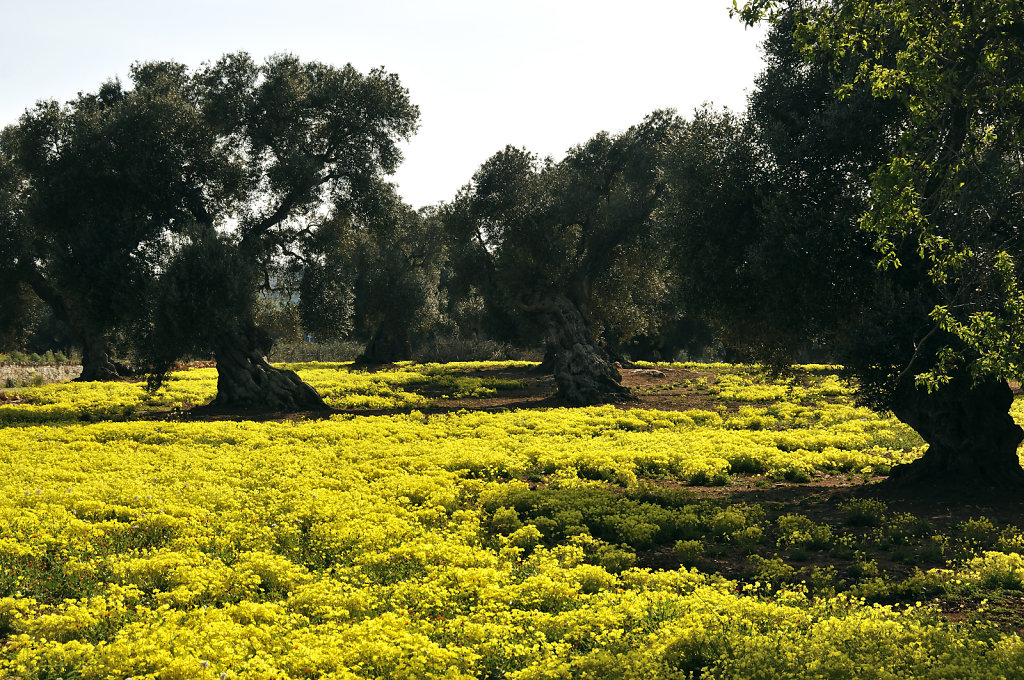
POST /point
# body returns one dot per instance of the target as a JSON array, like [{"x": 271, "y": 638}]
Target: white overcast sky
[{"x": 544, "y": 75}]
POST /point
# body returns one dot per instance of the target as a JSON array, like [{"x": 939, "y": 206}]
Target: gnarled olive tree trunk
[
  {"x": 246, "y": 380},
  {"x": 584, "y": 373},
  {"x": 390, "y": 343},
  {"x": 972, "y": 439},
  {"x": 97, "y": 360}
]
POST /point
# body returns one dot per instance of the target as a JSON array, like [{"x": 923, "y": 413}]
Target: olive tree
[
  {"x": 99, "y": 182},
  {"x": 372, "y": 272},
  {"x": 551, "y": 237},
  {"x": 309, "y": 138},
  {"x": 887, "y": 174}
]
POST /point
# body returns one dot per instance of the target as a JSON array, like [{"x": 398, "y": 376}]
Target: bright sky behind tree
[{"x": 540, "y": 74}]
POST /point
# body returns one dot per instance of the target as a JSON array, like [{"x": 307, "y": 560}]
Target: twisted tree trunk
[
  {"x": 97, "y": 360},
  {"x": 246, "y": 380},
  {"x": 584, "y": 373},
  {"x": 972, "y": 439},
  {"x": 390, "y": 343}
]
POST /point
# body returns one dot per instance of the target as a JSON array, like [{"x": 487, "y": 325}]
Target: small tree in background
[
  {"x": 397, "y": 261},
  {"x": 372, "y": 272}
]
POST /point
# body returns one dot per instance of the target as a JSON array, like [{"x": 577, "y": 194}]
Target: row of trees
[
  {"x": 867, "y": 203},
  {"x": 146, "y": 212}
]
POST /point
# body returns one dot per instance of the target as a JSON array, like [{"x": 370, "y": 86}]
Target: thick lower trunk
[
  {"x": 246, "y": 380},
  {"x": 97, "y": 362},
  {"x": 389, "y": 344},
  {"x": 972, "y": 439},
  {"x": 584, "y": 373},
  {"x": 97, "y": 359}
]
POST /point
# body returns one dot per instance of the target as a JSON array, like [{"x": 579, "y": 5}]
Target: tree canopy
[
  {"x": 101, "y": 179},
  {"x": 372, "y": 272}
]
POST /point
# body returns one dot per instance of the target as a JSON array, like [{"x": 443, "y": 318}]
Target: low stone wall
[{"x": 25, "y": 374}]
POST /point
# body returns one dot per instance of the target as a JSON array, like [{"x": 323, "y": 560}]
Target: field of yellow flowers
[{"x": 525, "y": 544}]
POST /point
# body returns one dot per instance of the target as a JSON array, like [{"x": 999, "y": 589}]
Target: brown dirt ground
[{"x": 662, "y": 389}]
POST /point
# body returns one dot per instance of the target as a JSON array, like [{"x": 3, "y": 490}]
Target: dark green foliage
[
  {"x": 571, "y": 248},
  {"x": 205, "y": 294},
  {"x": 13, "y": 297},
  {"x": 568, "y": 226},
  {"x": 124, "y": 187},
  {"x": 372, "y": 272},
  {"x": 27, "y": 323},
  {"x": 769, "y": 250},
  {"x": 772, "y": 252},
  {"x": 104, "y": 185},
  {"x": 326, "y": 300},
  {"x": 397, "y": 259},
  {"x": 641, "y": 519}
]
